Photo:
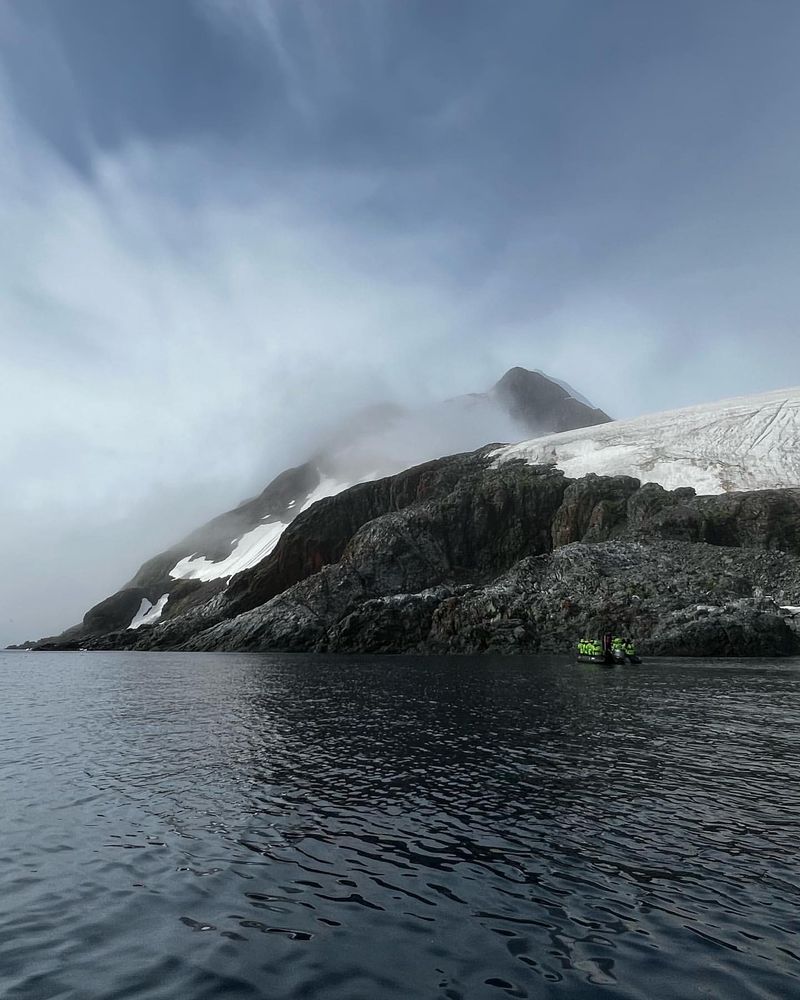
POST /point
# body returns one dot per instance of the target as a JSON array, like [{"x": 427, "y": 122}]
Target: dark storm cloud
[{"x": 227, "y": 220}]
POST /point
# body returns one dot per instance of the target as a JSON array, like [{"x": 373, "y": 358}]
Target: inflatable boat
[{"x": 603, "y": 654}]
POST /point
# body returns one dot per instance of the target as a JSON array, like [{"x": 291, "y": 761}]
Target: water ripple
[{"x": 248, "y": 826}]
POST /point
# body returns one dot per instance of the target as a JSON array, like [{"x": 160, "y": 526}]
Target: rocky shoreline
[{"x": 464, "y": 556}]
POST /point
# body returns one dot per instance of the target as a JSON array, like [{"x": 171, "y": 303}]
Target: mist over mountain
[{"x": 380, "y": 440}]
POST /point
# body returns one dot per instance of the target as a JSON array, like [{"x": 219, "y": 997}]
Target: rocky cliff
[{"x": 464, "y": 555}]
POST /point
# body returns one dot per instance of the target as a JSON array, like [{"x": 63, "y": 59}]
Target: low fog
[{"x": 215, "y": 251}]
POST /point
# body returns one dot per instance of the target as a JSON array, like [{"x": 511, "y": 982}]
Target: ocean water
[{"x": 266, "y": 826}]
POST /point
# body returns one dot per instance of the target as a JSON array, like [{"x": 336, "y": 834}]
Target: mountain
[
  {"x": 370, "y": 444},
  {"x": 487, "y": 551}
]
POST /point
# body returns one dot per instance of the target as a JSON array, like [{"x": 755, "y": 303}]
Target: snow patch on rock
[
  {"x": 251, "y": 548},
  {"x": 149, "y": 612}
]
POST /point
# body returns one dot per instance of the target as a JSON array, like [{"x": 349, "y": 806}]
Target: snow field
[{"x": 746, "y": 443}]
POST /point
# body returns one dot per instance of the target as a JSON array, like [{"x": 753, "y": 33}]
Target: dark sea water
[{"x": 182, "y": 826}]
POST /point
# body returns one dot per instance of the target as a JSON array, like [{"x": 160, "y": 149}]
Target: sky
[{"x": 225, "y": 223}]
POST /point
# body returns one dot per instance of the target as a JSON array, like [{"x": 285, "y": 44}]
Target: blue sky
[{"x": 225, "y": 221}]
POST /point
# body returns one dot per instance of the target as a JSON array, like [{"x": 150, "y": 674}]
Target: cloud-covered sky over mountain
[{"x": 226, "y": 221}]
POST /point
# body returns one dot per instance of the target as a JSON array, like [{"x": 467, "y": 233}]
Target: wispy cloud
[{"x": 303, "y": 41}]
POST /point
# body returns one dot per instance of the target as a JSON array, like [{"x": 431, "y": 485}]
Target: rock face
[
  {"x": 461, "y": 556},
  {"x": 544, "y": 602}
]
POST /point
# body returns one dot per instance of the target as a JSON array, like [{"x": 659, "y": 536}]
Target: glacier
[{"x": 743, "y": 443}]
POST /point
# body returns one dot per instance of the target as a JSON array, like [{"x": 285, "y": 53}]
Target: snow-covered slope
[{"x": 746, "y": 443}]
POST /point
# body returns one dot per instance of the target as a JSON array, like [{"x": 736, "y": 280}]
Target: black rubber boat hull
[
  {"x": 609, "y": 660},
  {"x": 600, "y": 661}
]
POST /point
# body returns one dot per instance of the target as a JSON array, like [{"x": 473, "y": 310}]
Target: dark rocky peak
[{"x": 542, "y": 404}]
